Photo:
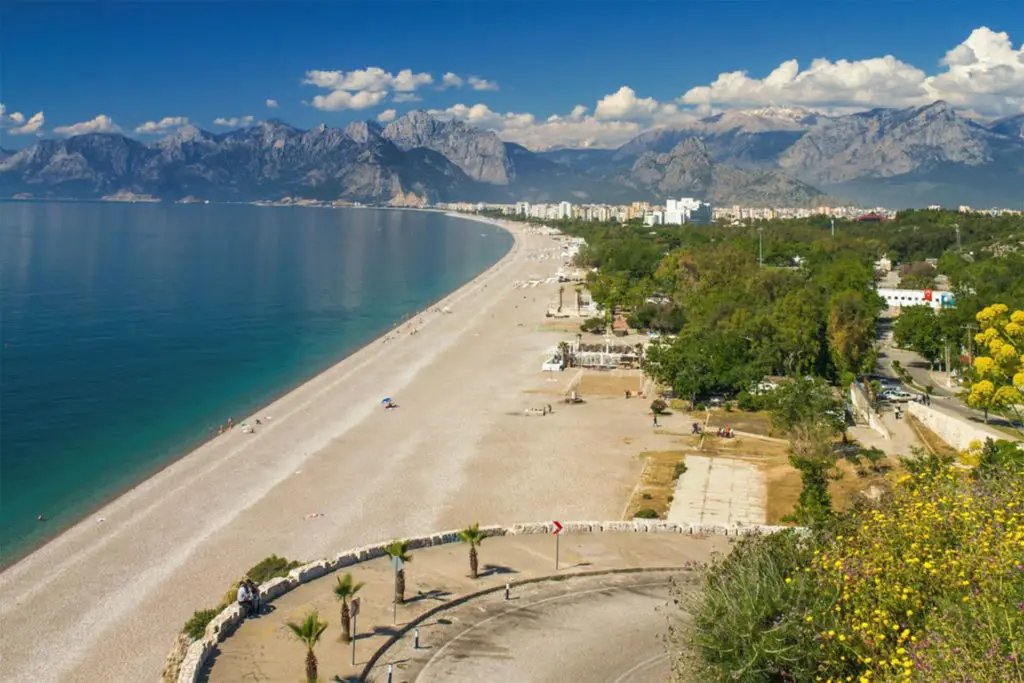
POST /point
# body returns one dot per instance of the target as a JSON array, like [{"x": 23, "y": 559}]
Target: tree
[
  {"x": 474, "y": 537},
  {"x": 344, "y": 591},
  {"x": 1000, "y": 374},
  {"x": 399, "y": 549},
  {"x": 308, "y": 632},
  {"x": 851, "y": 332},
  {"x": 800, "y": 402},
  {"x": 811, "y": 452},
  {"x": 918, "y": 328},
  {"x": 564, "y": 354}
]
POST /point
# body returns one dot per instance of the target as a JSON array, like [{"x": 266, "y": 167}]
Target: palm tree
[
  {"x": 309, "y": 632},
  {"x": 561, "y": 291},
  {"x": 563, "y": 351},
  {"x": 344, "y": 591},
  {"x": 399, "y": 549},
  {"x": 474, "y": 537}
]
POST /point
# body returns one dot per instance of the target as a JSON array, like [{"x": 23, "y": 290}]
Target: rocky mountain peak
[{"x": 364, "y": 131}]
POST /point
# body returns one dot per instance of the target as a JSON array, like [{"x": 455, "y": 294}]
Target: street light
[{"x": 760, "y": 248}]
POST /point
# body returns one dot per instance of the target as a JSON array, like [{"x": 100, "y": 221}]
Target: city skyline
[{"x": 147, "y": 69}]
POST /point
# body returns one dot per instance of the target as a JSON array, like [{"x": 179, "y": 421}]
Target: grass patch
[
  {"x": 657, "y": 483},
  {"x": 757, "y": 422},
  {"x": 610, "y": 384}
]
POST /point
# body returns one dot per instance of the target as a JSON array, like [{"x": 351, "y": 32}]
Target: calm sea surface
[{"x": 130, "y": 331}]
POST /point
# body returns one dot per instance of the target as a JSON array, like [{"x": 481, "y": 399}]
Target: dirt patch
[
  {"x": 657, "y": 483},
  {"x": 613, "y": 383}
]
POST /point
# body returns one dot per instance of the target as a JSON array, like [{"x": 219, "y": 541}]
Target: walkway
[
  {"x": 719, "y": 491},
  {"x": 263, "y": 650}
]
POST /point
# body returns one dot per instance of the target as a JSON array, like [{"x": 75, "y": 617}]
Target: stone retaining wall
[
  {"x": 225, "y": 623},
  {"x": 957, "y": 431}
]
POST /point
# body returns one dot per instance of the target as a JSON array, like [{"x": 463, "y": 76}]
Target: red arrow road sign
[{"x": 559, "y": 529}]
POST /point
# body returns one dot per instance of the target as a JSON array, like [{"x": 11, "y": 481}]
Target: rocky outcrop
[
  {"x": 688, "y": 169},
  {"x": 480, "y": 154}
]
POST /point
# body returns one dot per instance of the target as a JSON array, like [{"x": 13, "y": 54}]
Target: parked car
[{"x": 896, "y": 395}]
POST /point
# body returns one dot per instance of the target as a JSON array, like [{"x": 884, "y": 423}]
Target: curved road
[{"x": 589, "y": 629}]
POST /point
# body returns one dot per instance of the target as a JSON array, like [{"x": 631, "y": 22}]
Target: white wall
[{"x": 957, "y": 431}]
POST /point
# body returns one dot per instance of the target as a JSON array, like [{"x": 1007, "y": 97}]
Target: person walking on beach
[{"x": 655, "y": 422}]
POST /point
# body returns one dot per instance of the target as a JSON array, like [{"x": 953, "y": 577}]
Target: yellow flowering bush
[
  {"x": 999, "y": 369},
  {"x": 925, "y": 585}
]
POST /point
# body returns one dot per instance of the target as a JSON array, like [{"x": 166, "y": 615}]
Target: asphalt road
[{"x": 594, "y": 632}]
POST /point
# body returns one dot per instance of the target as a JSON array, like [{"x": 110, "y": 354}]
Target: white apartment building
[
  {"x": 564, "y": 210},
  {"x": 897, "y": 299}
]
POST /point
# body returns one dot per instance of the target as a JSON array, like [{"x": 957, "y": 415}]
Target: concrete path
[
  {"x": 262, "y": 649},
  {"x": 607, "y": 628},
  {"x": 719, "y": 491}
]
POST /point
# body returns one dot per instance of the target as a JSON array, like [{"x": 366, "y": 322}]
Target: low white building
[
  {"x": 897, "y": 299},
  {"x": 687, "y": 210}
]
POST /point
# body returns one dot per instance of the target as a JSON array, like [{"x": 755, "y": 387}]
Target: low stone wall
[
  {"x": 225, "y": 623},
  {"x": 862, "y": 407},
  {"x": 957, "y": 431}
]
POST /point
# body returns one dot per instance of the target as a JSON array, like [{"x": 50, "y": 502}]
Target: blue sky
[{"x": 158, "y": 62}]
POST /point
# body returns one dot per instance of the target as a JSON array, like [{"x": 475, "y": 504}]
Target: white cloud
[
  {"x": 984, "y": 73},
  {"x": 233, "y": 121},
  {"x": 271, "y": 104},
  {"x": 162, "y": 126},
  {"x": 450, "y": 80},
  {"x": 337, "y": 100},
  {"x": 624, "y": 104},
  {"x": 478, "y": 83},
  {"x": 406, "y": 97},
  {"x": 16, "y": 124},
  {"x": 573, "y": 130},
  {"x": 386, "y": 115},
  {"x": 100, "y": 124},
  {"x": 364, "y": 88}
]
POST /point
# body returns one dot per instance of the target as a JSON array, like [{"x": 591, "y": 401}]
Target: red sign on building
[{"x": 927, "y": 295}]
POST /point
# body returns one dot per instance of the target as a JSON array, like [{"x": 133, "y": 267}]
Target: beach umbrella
[{"x": 385, "y": 400}]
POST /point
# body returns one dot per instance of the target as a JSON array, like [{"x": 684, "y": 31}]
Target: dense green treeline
[{"x": 789, "y": 297}]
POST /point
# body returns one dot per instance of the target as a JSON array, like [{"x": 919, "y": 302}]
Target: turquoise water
[{"x": 130, "y": 331}]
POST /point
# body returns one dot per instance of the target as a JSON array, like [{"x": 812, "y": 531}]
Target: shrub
[
  {"x": 658, "y": 406},
  {"x": 925, "y": 585},
  {"x": 271, "y": 568},
  {"x": 647, "y": 496},
  {"x": 747, "y": 401},
  {"x": 594, "y": 325},
  {"x": 680, "y": 470},
  {"x": 195, "y": 627},
  {"x": 646, "y": 513}
]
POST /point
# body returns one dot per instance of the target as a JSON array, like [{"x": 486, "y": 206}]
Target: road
[
  {"x": 920, "y": 371},
  {"x": 607, "y": 629}
]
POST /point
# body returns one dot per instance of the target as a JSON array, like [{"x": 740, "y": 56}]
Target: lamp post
[{"x": 760, "y": 248}]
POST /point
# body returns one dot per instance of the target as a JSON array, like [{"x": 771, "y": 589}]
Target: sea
[{"x": 131, "y": 331}]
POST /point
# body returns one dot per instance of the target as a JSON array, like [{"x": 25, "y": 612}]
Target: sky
[{"x": 544, "y": 74}]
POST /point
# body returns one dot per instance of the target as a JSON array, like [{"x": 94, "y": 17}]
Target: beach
[{"x": 329, "y": 468}]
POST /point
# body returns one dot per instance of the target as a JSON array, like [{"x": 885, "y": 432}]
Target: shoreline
[
  {"x": 333, "y": 469},
  {"x": 278, "y": 395}
]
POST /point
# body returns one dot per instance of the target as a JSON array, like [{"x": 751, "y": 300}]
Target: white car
[{"x": 896, "y": 395}]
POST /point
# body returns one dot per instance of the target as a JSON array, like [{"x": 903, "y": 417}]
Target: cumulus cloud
[
  {"x": 575, "y": 129},
  {"x": 15, "y": 123},
  {"x": 162, "y": 126},
  {"x": 364, "y": 88},
  {"x": 450, "y": 80},
  {"x": 478, "y": 83},
  {"x": 100, "y": 124},
  {"x": 386, "y": 115},
  {"x": 233, "y": 121},
  {"x": 271, "y": 104},
  {"x": 985, "y": 74}
]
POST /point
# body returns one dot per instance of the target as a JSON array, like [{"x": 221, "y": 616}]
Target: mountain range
[{"x": 770, "y": 156}]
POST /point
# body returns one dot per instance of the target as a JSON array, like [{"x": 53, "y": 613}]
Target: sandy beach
[{"x": 328, "y": 469}]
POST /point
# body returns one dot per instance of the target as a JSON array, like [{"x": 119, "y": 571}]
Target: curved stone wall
[{"x": 224, "y": 624}]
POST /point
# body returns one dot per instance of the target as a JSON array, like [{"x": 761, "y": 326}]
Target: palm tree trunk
[
  {"x": 473, "y": 561},
  {"x": 346, "y": 632},
  {"x": 400, "y": 587},
  {"x": 311, "y": 672}
]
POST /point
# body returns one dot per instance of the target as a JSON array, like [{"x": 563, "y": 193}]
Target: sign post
[
  {"x": 559, "y": 530},
  {"x": 397, "y": 563},
  {"x": 355, "y": 613}
]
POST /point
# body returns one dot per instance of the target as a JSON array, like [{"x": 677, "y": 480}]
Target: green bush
[
  {"x": 195, "y": 627},
  {"x": 646, "y": 513},
  {"x": 748, "y": 402},
  {"x": 658, "y": 406},
  {"x": 680, "y": 470},
  {"x": 647, "y": 496},
  {"x": 593, "y": 325},
  {"x": 271, "y": 568}
]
